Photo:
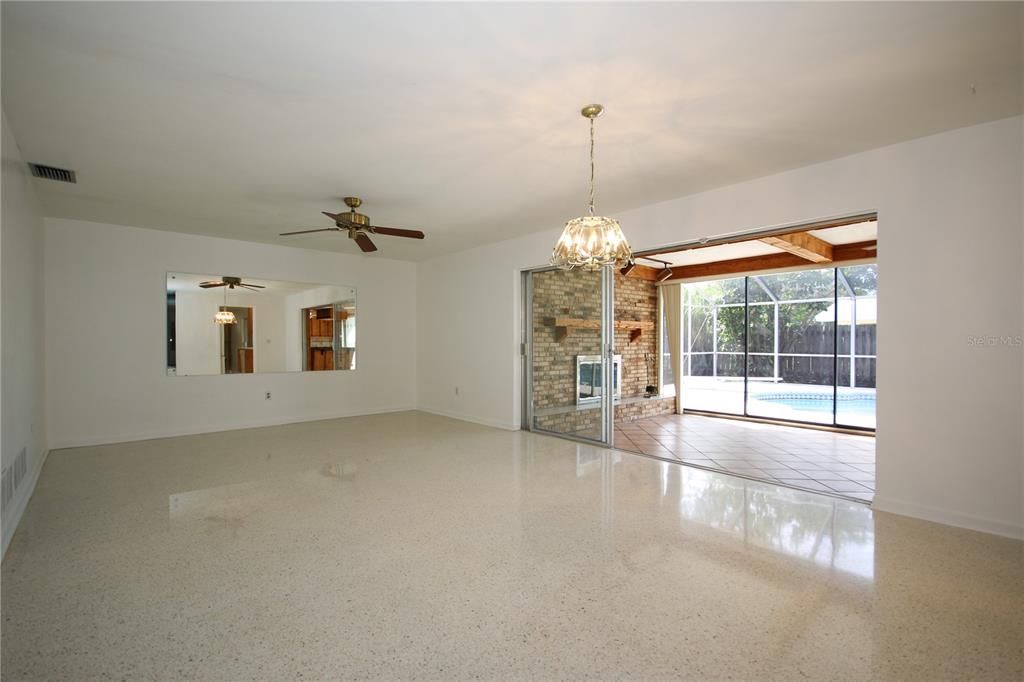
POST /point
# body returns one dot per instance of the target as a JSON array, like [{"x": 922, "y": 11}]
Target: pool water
[{"x": 853, "y": 406}]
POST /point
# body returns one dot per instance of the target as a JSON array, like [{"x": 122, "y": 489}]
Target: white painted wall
[
  {"x": 107, "y": 382},
  {"x": 22, "y": 366},
  {"x": 950, "y": 263},
  {"x": 197, "y": 338},
  {"x": 268, "y": 330}
]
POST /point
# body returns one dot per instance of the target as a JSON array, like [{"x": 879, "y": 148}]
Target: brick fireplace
[{"x": 560, "y": 296}]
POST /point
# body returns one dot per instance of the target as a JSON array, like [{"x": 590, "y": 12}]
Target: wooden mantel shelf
[{"x": 563, "y": 325}]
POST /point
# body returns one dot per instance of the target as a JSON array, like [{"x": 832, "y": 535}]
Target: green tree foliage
[{"x": 799, "y": 331}]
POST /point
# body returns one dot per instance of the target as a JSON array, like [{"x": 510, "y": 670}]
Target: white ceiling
[
  {"x": 847, "y": 234},
  {"x": 243, "y": 120}
]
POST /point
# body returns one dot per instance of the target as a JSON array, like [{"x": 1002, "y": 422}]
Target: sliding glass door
[
  {"x": 798, "y": 346},
  {"x": 714, "y": 343},
  {"x": 857, "y": 345},
  {"x": 791, "y": 367},
  {"x": 572, "y": 375}
]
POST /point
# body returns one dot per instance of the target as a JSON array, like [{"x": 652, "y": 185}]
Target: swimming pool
[
  {"x": 852, "y": 408},
  {"x": 860, "y": 406}
]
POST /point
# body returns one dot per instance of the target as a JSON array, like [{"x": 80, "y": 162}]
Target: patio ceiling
[{"x": 798, "y": 247}]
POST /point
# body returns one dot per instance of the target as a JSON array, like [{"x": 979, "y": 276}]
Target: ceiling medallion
[{"x": 591, "y": 242}]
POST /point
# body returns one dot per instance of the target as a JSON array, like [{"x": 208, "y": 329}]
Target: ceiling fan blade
[
  {"x": 364, "y": 243},
  {"x": 398, "y": 232},
  {"x": 251, "y": 287},
  {"x": 334, "y": 216},
  {"x": 212, "y": 285},
  {"x": 326, "y": 229}
]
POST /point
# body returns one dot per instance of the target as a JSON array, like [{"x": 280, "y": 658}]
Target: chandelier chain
[
  {"x": 591, "y": 242},
  {"x": 591, "y": 166}
]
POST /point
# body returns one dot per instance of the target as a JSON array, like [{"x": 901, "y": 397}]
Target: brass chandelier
[{"x": 591, "y": 242}]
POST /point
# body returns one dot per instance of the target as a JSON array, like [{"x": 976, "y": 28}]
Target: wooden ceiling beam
[
  {"x": 645, "y": 272},
  {"x": 805, "y": 227},
  {"x": 775, "y": 261},
  {"x": 802, "y": 244}
]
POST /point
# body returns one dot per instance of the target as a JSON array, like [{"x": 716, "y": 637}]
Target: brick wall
[
  {"x": 578, "y": 295},
  {"x": 637, "y": 299}
]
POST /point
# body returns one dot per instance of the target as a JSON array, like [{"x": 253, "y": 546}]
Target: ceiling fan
[
  {"x": 358, "y": 227},
  {"x": 230, "y": 283}
]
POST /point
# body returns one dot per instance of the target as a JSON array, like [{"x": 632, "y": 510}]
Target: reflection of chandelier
[
  {"x": 224, "y": 316},
  {"x": 591, "y": 241}
]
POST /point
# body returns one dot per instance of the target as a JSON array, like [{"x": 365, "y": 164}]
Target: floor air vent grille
[
  {"x": 8, "y": 487},
  {"x": 12, "y": 477}
]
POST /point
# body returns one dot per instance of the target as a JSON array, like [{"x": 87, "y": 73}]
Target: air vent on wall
[
  {"x": 12, "y": 477},
  {"x": 52, "y": 173}
]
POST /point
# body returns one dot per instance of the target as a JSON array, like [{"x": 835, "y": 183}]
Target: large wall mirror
[{"x": 228, "y": 324}]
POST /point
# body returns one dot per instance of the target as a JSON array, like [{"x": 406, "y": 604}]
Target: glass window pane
[
  {"x": 713, "y": 345},
  {"x": 793, "y": 379},
  {"x": 858, "y": 346},
  {"x": 566, "y": 365}
]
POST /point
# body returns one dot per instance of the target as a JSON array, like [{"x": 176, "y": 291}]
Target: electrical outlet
[{"x": 268, "y": 395}]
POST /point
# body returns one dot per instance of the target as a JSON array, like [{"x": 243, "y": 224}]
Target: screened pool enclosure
[{"x": 797, "y": 345}]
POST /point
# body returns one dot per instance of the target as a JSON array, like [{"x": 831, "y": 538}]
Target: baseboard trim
[
  {"x": 13, "y": 517},
  {"x": 467, "y": 418},
  {"x": 256, "y": 424},
  {"x": 948, "y": 518}
]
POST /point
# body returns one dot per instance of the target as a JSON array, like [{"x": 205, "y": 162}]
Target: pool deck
[{"x": 835, "y": 463}]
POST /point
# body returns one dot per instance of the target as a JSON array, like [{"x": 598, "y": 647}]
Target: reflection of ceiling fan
[
  {"x": 358, "y": 227},
  {"x": 230, "y": 283}
]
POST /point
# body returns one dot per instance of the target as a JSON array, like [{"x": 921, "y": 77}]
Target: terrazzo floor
[
  {"x": 822, "y": 461},
  {"x": 413, "y": 546}
]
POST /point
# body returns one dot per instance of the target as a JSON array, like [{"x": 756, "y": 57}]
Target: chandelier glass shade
[
  {"x": 591, "y": 242},
  {"x": 224, "y": 317}
]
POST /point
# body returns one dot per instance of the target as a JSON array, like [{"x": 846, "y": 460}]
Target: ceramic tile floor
[
  {"x": 412, "y": 546},
  {"x": 822, "y": 461}
]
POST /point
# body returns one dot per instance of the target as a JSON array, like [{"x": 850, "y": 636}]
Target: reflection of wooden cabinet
[
  {"x": 321, "y": 359},
  {"x": 245, "y": 360},
  {"x": 319, "y": 339},
  {"x": 321, "y": 328}
]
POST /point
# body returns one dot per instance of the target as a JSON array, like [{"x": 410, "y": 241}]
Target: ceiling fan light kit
[
  {"x": 591, "y": 242},
  {"x": 358, "y": 227}
]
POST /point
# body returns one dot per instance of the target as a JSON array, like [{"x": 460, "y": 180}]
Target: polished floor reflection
[{"x": 409, "y": 545}]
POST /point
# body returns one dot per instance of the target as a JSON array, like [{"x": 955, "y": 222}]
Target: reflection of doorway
[
  {"x": 237, "y": 355},
  {"x": 320, "y": 328}
]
